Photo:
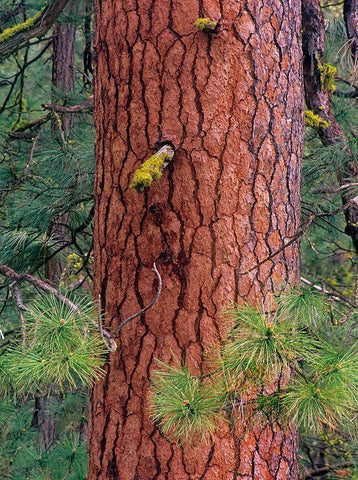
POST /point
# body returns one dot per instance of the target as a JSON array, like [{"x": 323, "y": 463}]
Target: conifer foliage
[{"x": 286, "y": 364}]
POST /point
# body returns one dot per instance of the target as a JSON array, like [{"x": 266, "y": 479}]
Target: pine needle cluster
[
  {"x": 283, "y": 363},
  {"x": 59, "y": 347},
  {"x": 185, "y": 407}
]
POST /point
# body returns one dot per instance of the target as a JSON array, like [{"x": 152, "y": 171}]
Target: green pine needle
[
  {"x": 185, "y": 408},
  {"x": 303, "y": 307},
  {"x": 261, "y": 345},
  {"x": 338, "y": 365},
  {"x": 315, "y": 403},
  {"x": 62, "y": 348}
]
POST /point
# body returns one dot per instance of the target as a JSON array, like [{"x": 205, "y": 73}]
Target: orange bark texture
[{"x": 231, "y": 104}]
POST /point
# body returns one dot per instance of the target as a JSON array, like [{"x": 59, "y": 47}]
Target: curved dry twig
[
  {"x": 132, "y": 317},
  {"x": 109, "y": 337}
]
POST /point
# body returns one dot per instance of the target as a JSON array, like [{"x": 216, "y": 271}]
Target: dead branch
[
  {"x": 71, "y": 108},
  {"x": 301, "y": 232}
]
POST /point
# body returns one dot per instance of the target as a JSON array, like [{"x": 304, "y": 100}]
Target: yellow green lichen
[
  {"x": 21, "y": 27},
  {"x": 205, "y": 24},
  {"x": 328, "y": 72},
  {"x": 315, "y": 121},
  {"x": 19, "y": 124},
  {"x": 150, "y": 171}
]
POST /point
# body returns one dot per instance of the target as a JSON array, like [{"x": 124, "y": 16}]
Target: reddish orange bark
[{"x": 231, "y": 104}]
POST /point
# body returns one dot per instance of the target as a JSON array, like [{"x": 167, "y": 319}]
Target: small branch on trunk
[
  {"x": 207, "y": 25},
  {"x": 159, "y": 289}
]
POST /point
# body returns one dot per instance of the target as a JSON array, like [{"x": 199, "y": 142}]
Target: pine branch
[{"x": 36, "y": 282}]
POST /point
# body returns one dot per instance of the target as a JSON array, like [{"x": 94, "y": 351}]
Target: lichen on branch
[
  {"x": 327, "y": 72},
  {"x": 36, "y": 26},
  {"x": 21, "y": 27},
  {"x": 152, "y": 168},
  {"x": 315, "y": 121}
]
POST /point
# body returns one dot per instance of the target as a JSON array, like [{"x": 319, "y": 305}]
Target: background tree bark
[
  {"x": 231, "y": 104},
  {"x": 318, "y": 100},
  {"x": 350, "y": 10}
]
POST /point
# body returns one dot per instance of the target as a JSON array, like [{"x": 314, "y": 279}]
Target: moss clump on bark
[
  {"x": 315, "y": 121},
  {"x": 206, "y": 24},
  {"x": 150, "y": 170}
]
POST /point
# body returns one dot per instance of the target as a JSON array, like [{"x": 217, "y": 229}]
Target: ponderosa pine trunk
[{"x": 231, "y": 104}]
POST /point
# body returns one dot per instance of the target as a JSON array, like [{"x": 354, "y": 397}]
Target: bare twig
[
  {"x": 21, "y": 307},
  {"x": 32, "y": 151},
  {"x": 71, "y": 108},
  {"x": 335, "y": 296},
  {"x": 301, "y": 232},
  {"x": 310, "y": 243},
  {"x": 20, "y": 277},
  {"x": 318, "y": 472},
  {"x": 127, "y": 320}
]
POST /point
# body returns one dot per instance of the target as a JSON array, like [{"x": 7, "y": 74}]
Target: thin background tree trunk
[
  {"x": 63, "y": 79},
  {"x": 350, "y": 10},
  {"x": 318, "y": 100},
  {"x": 232, "y": 105}
]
